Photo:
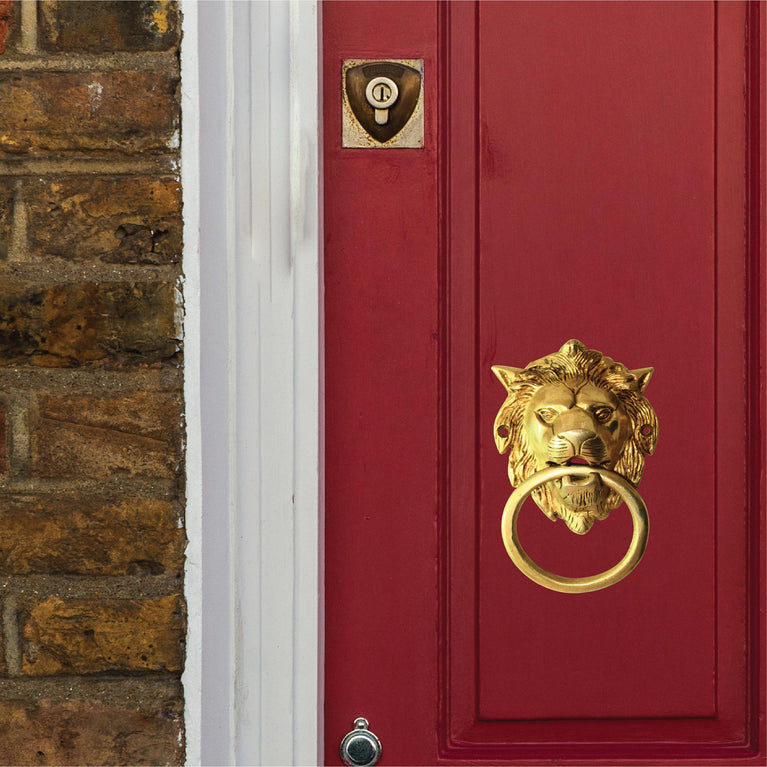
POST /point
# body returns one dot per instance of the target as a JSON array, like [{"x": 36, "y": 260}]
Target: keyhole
[{"x": 383, "y": 93}]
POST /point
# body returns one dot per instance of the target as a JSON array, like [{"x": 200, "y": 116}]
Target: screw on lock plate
[{"x": 360, "y": 748}]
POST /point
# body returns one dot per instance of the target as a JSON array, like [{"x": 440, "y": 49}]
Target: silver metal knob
[{"x": 360, "y": 748}]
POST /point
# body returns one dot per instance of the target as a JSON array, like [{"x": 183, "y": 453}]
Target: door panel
[
  {"x": 596, "y": 222},
  {"x": 584, "y": 175}
]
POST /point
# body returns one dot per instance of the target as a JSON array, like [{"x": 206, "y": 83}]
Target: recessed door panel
[{"x": 596, "y": 222}]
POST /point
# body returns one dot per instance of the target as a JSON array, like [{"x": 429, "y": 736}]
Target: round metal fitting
[
  {"x": 381, "y": 92},
  {"x": 360, "y": 748},
  {"x": 560, "y": 582}
]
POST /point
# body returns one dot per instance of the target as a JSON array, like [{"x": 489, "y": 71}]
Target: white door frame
[{"x": 250, "y": 172}]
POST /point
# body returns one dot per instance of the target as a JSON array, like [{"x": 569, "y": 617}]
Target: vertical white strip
[
  {"x": 251, "y": 147},
  {"x": 235, "y": 115},
  {"x": 217, "y": 368},
  {"x": 190, "y": 184},
  {"x": 277, "y": 380},
  {"x": 266, "y": 555},
  {"x": 259, "y": 247},
  {"x": 305, "y": 247}
]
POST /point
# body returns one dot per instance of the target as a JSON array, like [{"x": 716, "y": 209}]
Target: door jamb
[{"x": 252, "y": 312}]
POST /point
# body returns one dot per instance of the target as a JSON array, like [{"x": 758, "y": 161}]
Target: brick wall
[{"x": 92, "y": 617}]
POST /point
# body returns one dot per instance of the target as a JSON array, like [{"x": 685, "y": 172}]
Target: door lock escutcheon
[{"x": 383, "y": 103}]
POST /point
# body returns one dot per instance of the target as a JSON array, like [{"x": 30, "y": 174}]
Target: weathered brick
[
  {"x": 3, "y": 438},
  {"x": 80, "y": 636},
  {"x": 73, "y": 324},
  {"x": 3, "y": 665},
  {"x": 81, "y": 436},
  {"x": 62, "y": 536},
  {"x": 77, "y": 732},
  {"x": 9, "y": 25},
  {"x": 6, "y": 215},
  {"x": 100, "y": 27},
  {"x": 90, "y": 655},
  {"x": 117, "y": 219},
  {"x": 54, "y": 112}
]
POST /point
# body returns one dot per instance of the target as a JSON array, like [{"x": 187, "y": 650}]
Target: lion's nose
[{"x": 576, "y": 437}]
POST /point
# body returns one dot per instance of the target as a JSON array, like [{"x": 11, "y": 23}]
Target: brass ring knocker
[
  {"x": 577, "y": 428},
  {"x": 560, "y": 582}
]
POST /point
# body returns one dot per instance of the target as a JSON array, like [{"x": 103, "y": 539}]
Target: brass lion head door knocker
[{"x": 577, "y": 428}]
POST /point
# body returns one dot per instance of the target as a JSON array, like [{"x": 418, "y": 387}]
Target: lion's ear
[
  {"x": 508, "y": 376},
  {"x": 643, "y": 376}
]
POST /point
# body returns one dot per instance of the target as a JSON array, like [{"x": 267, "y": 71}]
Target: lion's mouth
[{"x": 572, "y": 485}]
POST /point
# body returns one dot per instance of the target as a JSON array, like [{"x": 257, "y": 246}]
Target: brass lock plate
[{"x": 382, "y": 103}]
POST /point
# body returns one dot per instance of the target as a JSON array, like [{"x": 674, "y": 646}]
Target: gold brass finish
[
  {"x": 560, "y": 582},
  {"x": 578, "y": 428}
]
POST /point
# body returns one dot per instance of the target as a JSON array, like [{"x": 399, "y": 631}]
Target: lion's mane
[{"x": 574, "y": 364}]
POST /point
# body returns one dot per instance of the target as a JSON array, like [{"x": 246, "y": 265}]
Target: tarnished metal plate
[{"x": 364, "y": 123}]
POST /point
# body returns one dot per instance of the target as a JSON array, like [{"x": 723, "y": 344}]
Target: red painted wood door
[{"x": 590, "y": 171}]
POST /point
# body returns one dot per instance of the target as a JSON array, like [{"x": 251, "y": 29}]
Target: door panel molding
[{"x": 731, "y": 732}]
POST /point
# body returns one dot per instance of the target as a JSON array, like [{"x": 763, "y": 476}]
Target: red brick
[
  {"x": 100, "y": 27},
  {"x": 74, "y": 324},
  {"x": 54, "y": 112},
  {"x": 77, "y": 732},
  {"x": 82, "y": 436},
  {"x": 80, "y": 636},
  {"x": 9, "y": 25},
  {"x": 69, "y": 536},
  {"x": 114, "y": 219}
]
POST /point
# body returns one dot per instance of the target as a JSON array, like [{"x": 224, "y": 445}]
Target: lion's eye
[
  {"x": 603, "y": 414},
  {"x": 547, "y": 414}
]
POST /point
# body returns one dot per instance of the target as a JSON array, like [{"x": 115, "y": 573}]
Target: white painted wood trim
[
  {"x": 258, "y": 384},
  {"x": 190, "y": 184}
]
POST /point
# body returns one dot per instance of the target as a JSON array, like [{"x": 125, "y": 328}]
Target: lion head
[{"x": 575, "y": 406}]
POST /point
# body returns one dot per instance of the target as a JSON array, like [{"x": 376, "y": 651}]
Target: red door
[{"x": 590, "y": 171}]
